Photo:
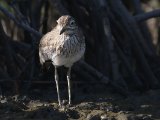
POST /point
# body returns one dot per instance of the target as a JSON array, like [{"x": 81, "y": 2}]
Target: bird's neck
[{"x": 69, "y": 33}]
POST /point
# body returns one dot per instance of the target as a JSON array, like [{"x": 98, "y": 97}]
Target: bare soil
[{"x": 89, "y": 103}]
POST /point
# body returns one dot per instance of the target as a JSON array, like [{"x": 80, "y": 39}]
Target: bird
[{"x": 63, "y": 45}]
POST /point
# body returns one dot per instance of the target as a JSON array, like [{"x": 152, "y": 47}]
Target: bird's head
[{"x": 66, "y": 24}]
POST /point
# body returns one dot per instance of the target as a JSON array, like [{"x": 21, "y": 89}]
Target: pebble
[
  {"x": 3, "y": 101},
  {"x": 104, "y": 117}
]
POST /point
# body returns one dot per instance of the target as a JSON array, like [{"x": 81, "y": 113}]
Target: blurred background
[{"x": 122, "y": 38}]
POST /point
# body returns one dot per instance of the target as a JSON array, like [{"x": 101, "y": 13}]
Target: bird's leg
[
  {"x": 69, "y": 84},
  {"x": 57, "y": 85}
]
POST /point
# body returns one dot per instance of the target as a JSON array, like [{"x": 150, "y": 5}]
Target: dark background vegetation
[{"x": 122, "y": 40}]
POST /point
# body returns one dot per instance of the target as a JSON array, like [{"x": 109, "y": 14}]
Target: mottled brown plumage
[{"x": 64, "y": 45}]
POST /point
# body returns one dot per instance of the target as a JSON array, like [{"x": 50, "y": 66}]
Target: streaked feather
[{"x": 64, "y": 49}]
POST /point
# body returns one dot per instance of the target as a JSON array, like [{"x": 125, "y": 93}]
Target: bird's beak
[{"x": 63, "y": 29}]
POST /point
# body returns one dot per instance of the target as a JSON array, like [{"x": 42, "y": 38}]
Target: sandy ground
[{"x": 89, "y": 103}]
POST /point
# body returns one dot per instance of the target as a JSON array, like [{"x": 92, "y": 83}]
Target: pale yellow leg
[
  {"x": 69, "y": 84},
  {"x": 57, "y": 85}
]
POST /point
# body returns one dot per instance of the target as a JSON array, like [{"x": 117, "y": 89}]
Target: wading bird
[{"x": 63, "y": 45}]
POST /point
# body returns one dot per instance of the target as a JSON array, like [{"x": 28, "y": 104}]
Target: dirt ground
[{"x": 89, "y": 103}]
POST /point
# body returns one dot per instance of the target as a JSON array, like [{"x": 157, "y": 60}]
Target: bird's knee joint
[{"x": 68, "y": 77}]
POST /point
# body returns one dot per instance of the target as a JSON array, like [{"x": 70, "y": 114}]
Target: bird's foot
[
  {"x": 64, "y": 106},
  {"x": 69, "y": 104},
  {"x": 59, "y": 104},
  {"x": 66, "y": 103}
]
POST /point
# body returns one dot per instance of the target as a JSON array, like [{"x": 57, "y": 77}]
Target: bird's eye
[{"x": 72, "y": 23}]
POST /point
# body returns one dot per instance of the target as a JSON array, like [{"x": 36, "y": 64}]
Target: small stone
[
  {"x": 104, "y": 117},
  {"x": 3, "y": 101},
  {"x": 15, "y": 97}
]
